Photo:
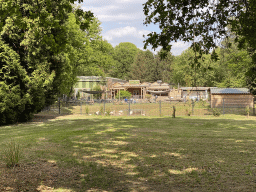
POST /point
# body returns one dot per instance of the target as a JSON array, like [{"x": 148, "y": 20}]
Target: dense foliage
[
  {"x": 124, "y": 94},
  {"x": 228, "y": 71},
  {"x": 140, "y": 69},
  {"x": 33, "y": 61},
  {"x": 99, "y": 52},
  {"x": 205, "y": 23},
  {"x": 124, "y": 55},
  {"x": 187, "y": 20}
]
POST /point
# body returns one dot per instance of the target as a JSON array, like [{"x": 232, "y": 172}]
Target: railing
[{"x": 137, "y": 96}]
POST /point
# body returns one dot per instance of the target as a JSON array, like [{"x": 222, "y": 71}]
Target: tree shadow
[{"x": 133, "y": 154}]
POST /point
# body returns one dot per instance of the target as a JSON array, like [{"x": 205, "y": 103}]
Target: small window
[{"x": 135, "y": 92}]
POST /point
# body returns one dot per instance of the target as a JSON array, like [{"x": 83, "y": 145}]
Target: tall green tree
[
  {"x": 204, "y": 22},
  {"x": 124, "y": 55},
  {"x": 33, "y": 36},
  {"x": 164, "y": 66},
  {"x": 234, "y": 64},
  {"x": 187, "y": 20},
  {"x": 75, "y": 55},
  {"x": 100, "y": 53},
  {"x": 185, "y": 74},
  {"x": 140, "y": 69}
]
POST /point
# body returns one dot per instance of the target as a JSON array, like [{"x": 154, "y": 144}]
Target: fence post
[
  {"x": 129, "y": 107},
  {"x": 81, "y": 106},
  {"x": 160, "y": 108},
  {"x": 173, "y": 113},
  {"x": 104, "y": 102},
  {"x": 59, "y": 106},
  {"x": 193, "y": 104},
  {"x": 223, "y": 106}
]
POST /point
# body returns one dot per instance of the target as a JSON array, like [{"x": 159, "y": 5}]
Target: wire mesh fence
[{"x": 159, "y": 108}]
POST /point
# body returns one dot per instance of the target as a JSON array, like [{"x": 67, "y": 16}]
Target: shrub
[
  {"x": 108, "y": 111},
  {"x": 247, "y": 111},
  {"x": 216, "y": 112},
  {"x": 188, "y": 112},
  {"x": 97, "y": 88},
  {"x": 78, "y": 95},
  {"x": 101, "y": 110},
  {"x": 124, "y": 94},
  {"x": 12, "y": 154},
  {"x": 87, "y": 110},
  {"x": 148, "y": 96}
]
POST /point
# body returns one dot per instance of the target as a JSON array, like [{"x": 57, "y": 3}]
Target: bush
[
  {"x": 124, "y": 94},
  {"x": 216, "y": 112},
  {"x": 12, "y": 154},
  {"x": 97, "y": 88},
  {"x": 78, "y": 95},
  {"x": 188, "y": 112},
  {"x": 87, "y": 110},
  {"x": 108, "y": 111},
  {"x": 148, "y": 96},
  {"x": 247, "y": 111},
  {"x": 101, "y": 110}
]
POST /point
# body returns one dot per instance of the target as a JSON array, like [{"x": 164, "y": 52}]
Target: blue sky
[{"x": 122, "y": 21}]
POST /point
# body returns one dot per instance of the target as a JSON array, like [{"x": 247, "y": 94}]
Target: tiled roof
[{"x": 230, "y": 91}]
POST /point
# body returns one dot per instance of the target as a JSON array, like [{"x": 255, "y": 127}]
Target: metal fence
[{"x": 157, "y": 108}]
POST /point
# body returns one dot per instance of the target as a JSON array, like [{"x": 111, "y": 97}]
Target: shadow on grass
[{"x": 142, "y": 154}]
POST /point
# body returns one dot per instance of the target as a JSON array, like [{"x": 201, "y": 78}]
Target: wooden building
[
  {"x": 231, "y": 97},
  {"x": 139, "y": 90}
]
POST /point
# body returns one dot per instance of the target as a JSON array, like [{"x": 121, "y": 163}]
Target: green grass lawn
[{"x": 86, "y": 153}]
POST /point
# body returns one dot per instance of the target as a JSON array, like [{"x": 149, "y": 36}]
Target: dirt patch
[
  {"x": 39, "y": 175},
  {"x": 43, "y": 118}
]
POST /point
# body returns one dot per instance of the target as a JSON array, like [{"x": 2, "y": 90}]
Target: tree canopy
[
  {"x": 206, "y": 23},
  {"x": 99, "y": 52},
  {"x": 124, "y": 55},
  {"x": 203, "y": 20},
  {"x": 141, "y": 66},
  {"x": 33, "y": 39}
]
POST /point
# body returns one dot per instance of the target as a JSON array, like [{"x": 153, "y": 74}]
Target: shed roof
[
  {"x": 230, "y": 91},
  {"x": 196, "y": 88}
]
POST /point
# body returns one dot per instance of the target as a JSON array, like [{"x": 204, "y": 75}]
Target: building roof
[
  {"x": 98, "y": 78},
  {"x": 230, "y": 91},
  {"x": 196, "y": 88},
  {"x": 153, "y": 86}
]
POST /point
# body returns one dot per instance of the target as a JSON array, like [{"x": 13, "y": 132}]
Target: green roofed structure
[{"x": 86, "y": 85}]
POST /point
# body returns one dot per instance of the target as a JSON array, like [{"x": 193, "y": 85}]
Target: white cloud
[
  {"x": 116, "y": 11},
  {"x": 118, "y": 17},
  {"x": 125, "y": 31},
  {"x": 179, "y": 47},
  {"x": 131, "y": 1},
  {"x": 122, "y": 21},
  {"x": 180, "y": 44}
]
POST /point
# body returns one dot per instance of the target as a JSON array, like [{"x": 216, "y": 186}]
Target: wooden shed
[{"x": 231, "y": 97}]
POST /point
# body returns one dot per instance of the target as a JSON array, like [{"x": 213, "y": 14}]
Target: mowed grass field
[{"x": 96, "y": 153}]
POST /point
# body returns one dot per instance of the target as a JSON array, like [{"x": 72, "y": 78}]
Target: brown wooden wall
[
  {"x": 132, "y": 89},
  {"x": 231, "y": 100}
]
